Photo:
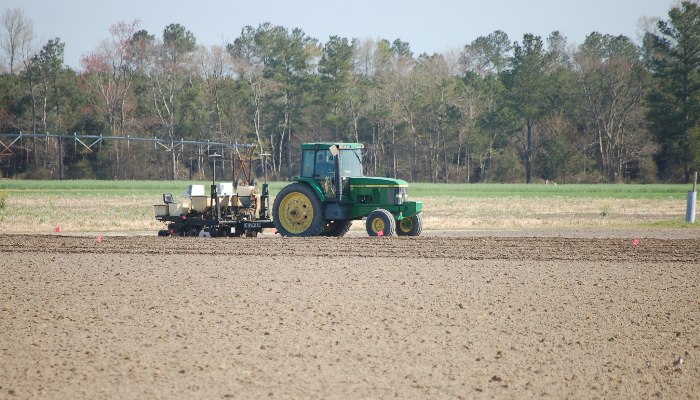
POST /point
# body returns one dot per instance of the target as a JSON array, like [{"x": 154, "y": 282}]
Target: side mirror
[{"x": 168, "y": 198}]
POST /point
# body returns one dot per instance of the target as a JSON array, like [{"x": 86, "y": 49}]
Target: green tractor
[{"x": 332, "y": 191}]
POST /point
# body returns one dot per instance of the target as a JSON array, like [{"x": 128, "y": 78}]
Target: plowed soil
[{"x": 451, "y": 316}]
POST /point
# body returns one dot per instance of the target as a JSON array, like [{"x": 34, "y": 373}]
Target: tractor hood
[
  {"x": 370, "y": 193},
  {"x": 358, "y": 182}
]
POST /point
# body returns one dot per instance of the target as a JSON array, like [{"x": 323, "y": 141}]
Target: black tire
[
  {"x": 298, "y": 211},
  {"x": 336, "y": 228},
  {"x": 177, "y": 229},
  {"x": 410, "y": 226},
  {"x": 381, "y": 221}
]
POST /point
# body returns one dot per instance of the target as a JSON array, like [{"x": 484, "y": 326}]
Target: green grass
[
  {"x": 101, "y": 188},
  {"x": 416, "y": 190},
  {"x": 574, "y": 191},
  {"x": 90, "y": 187}
]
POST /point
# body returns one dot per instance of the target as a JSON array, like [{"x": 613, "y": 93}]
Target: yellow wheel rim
[
  {"x": 296, "y": 213},
  {"x": 377, "y": 224},
  {"x": 405, "y": 225}
]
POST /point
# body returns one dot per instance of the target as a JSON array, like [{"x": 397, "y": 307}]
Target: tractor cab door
[{"x": 319, "y": 164}]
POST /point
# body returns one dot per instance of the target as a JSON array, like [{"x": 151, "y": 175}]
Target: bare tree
[
  {"x": 109, "y": 72},
  {"x": 16, "y": 36},
  {"x": 613, "y": 84},
  {"x": 214, "y": 66},
  {"x": 363, "y": 56},
  {"x": 170, "y": 75},
  {"x": 247, "y": 59}
]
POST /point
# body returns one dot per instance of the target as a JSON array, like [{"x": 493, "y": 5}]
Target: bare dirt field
[{"x": 584, "y": 314}]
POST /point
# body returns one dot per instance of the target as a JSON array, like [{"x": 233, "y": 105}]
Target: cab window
[
  {"x": 325, "y": 165},
  {"x": 351, "y": 162},
  {"x": 307, "y": 163}
]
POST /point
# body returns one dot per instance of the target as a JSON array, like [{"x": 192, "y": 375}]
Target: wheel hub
[
  {"x": 406, "y": 224},
  {"x": 378, "y": 225}
]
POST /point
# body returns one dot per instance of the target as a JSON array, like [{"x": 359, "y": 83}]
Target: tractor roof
[{"x": 326, "y": 145}]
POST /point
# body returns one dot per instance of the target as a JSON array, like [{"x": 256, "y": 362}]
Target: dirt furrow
[{"x": 466, "y": 248}]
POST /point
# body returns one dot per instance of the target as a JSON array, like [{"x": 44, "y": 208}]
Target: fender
[{"x": 314, "y": 185}]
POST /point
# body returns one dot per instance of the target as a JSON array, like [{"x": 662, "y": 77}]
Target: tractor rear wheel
[
  {"x": 298, "y": 211},
  {"x": 410, "y": 226},
  {"x": 336, "y": 228},
  {"x": 381, "y": 221}
]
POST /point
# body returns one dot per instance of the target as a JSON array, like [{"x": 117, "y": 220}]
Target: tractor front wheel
[
  {"x": 381, "y": 223},
  {"x": 410, "y": 226},
  {"x": 298, "y": 211}
]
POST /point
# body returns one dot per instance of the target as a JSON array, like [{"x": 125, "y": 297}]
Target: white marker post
[{"x": 690, "y": 209}]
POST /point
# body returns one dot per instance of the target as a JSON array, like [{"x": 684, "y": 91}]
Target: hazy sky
[{"x": 428, "y": 25}]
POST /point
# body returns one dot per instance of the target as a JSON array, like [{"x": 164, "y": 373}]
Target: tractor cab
[{"x": 328, "y": 163}]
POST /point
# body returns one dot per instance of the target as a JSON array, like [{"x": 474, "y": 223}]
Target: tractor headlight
[{"x": 401, "y": 196}]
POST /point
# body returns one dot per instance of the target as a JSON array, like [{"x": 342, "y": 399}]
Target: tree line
[{"x": 529, "y": 110}]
